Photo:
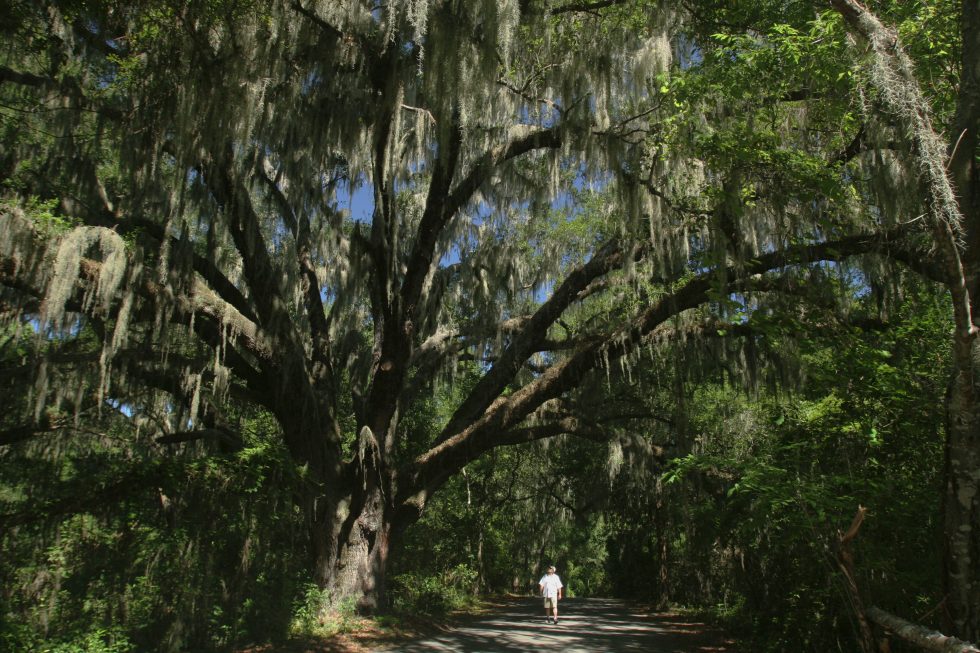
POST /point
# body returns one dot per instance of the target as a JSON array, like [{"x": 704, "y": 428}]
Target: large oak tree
[{"x": 325, "y": 209}]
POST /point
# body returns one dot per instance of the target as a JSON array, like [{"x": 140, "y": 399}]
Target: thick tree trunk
[{"x": 351, "y": 542}]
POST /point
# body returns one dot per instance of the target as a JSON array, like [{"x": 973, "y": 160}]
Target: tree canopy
[{"x": 362, "y": 247}]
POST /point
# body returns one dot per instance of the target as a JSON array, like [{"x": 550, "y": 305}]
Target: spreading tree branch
[
  {"x": 88, "y": 497},
  {"x": 501, "y": 413},
  {"x": 585, "y": 7},
  {"x": 524, "y": 343}
]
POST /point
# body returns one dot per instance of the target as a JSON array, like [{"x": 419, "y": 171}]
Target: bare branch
[
  {"x": 223, "y": 435},
  {"x": 585, "y": 7},
  {"x": 317, "y": 20},
  {"x": 551, "y": 104},
  {"x": 29, "y": 431},
  {"x": 11, "y": 76},
  {"x": 920, "y": 636},
  {"x": 86, "y": 497},
  {"x": 484, "y": 168},
  {"x": 68, "y": 88}
]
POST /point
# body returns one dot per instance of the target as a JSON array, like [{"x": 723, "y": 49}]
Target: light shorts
[{"x": 550, "y": 602}]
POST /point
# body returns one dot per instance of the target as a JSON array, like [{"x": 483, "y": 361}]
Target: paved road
[{"x": 586, "y": 626}]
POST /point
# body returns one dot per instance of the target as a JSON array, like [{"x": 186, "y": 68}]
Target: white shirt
[{"x": 550, "y": 584}]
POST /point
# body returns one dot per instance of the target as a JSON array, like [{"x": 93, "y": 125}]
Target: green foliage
[
  {"x": 99, "y": 640},
  {"x": 315, "y": 615},
  {"x": 196, "y": 553},
  {"x": 96, "y": 639},
  {"x": 45, "y": 215},
  {"x": 931, "y": 35},
  {"x": 800, "y": 63},
  {"x": 774, "y": 480},
  {"x": 417, "y": 593},
  {"x": 497, "y": 526}
]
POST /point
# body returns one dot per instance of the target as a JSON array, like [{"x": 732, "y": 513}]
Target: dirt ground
[{"x": 518, "y": 624}]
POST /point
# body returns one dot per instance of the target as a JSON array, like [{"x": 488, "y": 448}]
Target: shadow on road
[{"x": 586, "y": 625}]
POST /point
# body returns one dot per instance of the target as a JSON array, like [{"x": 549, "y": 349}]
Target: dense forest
[{"x": 314, "y": 308}]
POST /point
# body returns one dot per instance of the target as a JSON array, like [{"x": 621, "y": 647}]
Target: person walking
[{"x": 550, "y": 585}]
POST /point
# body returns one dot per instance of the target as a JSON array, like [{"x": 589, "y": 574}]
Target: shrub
[{"x": 433, "y": 594}]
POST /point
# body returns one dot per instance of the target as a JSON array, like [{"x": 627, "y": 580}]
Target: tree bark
[
  {"x": 351, "y": 541},
  {"x": 962, "y": 498},
  {"x": 845, "y": 561},
  {"x": 961, "y": 506},
  {"x": 919, "y": 635}
]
